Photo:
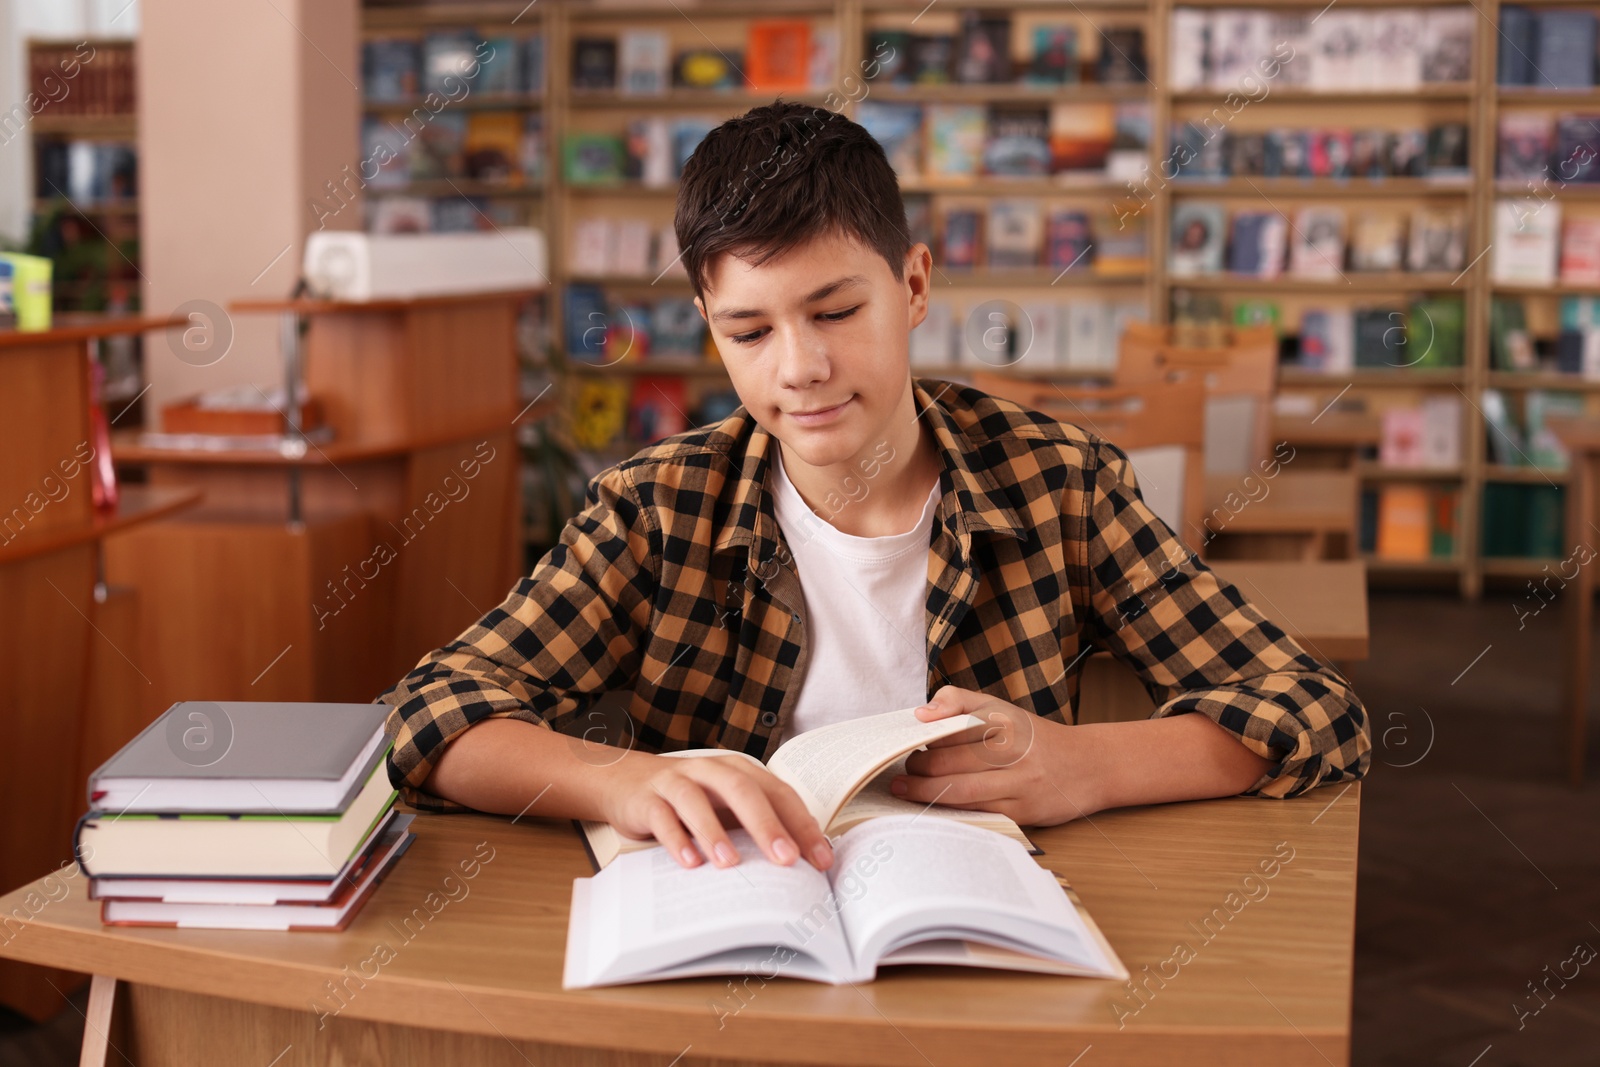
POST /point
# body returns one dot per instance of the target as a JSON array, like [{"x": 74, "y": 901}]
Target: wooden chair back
[{"x": 1149, "y": 422}]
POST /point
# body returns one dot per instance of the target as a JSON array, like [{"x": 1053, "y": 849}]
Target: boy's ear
[
  {"x": 700, "y": 307},
  {"x": 918, "y": 273}
]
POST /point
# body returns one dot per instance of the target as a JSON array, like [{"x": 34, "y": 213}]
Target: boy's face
[{"x": 817, "y": 343}]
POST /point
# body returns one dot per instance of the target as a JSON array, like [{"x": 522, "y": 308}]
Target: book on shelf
[
  {"x": 447, "y": 58},
  {"x": 687, "y": 133},
  {"x": 1575, "y": 155},
  {"x": 983, "y": 49},
  {"x": 1448, "y": 35},
  {"x": 1197, "y": 153},
  {"x": 584, "y": 318},
  {"x": 898, "y": 130},
  {"x": 1566, "y": 50},
  {"x": 1238, "y": 40},
  {"x": 492, "y": 150},
  {"x": 1189, "y": 53},
  {"x": 677, "y": 328},
  {"x": 1408, "y": 153},
  {"x": 1525, "y": 243},
  {"x": 1069, "y": 244},
  {"x": 389, "y": 69},
  {"x": 1447, "y": 151},
  {"x": 1367, "y": 158},
  {"x": 1015, "y": 232},
  {"x": 823, "y": 63},
  {"x": 500, "y": 69},
  {"x": 1578, "y": 342},
  {"x": 648, "y": 152},
  {"x": 1122, "y": 56},
  {"x": 1198, "y": 233},
  {"x": 1511, "y": 346},
  {"x": 1404, "y": 522},
  {"x": 657, "y": 408},
  {"x": 1341, "y": 56},
  {"x": 398, "y": 214},
  {"x": 532, "y": 148},
  {"x": 1401, "y": 437},
  {"x": 1317, "y": 247},
  {"x": 1506, "y": 443},
  {"x": 1377, "y": 241},
  {"x": 708, "y": 68},
  {"x": 955, "y": 138},
  {"x": 387, "y": 153},
  {"x": 1019, "y": 141},
  {"x": 1257, "y": 245},
  {"x": 1255, "y": 312},
  {"x": 437, "y": 149},
  {"x": 533, "y": 71},
  {"x": 1055, "y": 54},
  {"x": 1122, "y": 242},
  {"x": 1519, "y": 45},
  {"x": 1435, "y": 332},
  {"x": 1580, "y": 250},
  {"x": 598, "y": 411},
  {"x": 961, "y": 242},
  {"x": 932, "y": 58},
  {"x": 1437, "y": 240},
  {"x": 933, "y": 340},
  {"x": 1523, "y": 149},
  {"x": 1522, "y": 521},
  {"x": 594, "y": 63},
  {"x": 1426, "y": 436},
  {"x": 589, "y": 158},
  {"x": 841, "y": 773},
  {"x": 900, "y": 891},
  {"x": 1325, "y": 341},
  {"x": 1380, "y": 338},
  {"x": 631, "y": 252},
  {"x": 1080, "y": 136},
  {"x": 594, "y": 240},
  {"x": 1331, "y": 152},
  {"x": 1245, "y": 155},
  {"x": 1444, "y": 515},
  {"x": 1043, "y": 347},
  {"x": 1545, "y": 449},
  {"x": 644, "y": 62},
  {"x": 1396, "y": 47},
  {"x": 888, "y": 56},
  {"x": 1128, "y": 158},
  {"x": 778, "y": 54},
  {"x": 919, "y": 219}
]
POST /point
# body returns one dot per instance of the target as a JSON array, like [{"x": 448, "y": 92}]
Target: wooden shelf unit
[{"x": 1476, "y": 102}]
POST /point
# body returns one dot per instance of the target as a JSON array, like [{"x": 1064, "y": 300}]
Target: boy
[{"x": 846, "y": 543}]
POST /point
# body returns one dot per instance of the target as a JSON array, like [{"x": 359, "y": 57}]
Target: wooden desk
[
  {"x": 1582, "y": 439},
  {"x": 478, "y": 980}
]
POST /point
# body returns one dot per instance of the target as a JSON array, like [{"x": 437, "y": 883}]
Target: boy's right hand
[{"x": 659, "y": 796}]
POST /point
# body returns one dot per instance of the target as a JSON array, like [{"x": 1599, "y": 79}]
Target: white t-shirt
[{"x": 865, "y": 602}]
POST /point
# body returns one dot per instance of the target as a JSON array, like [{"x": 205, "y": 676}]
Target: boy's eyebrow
[{"x": 821, "y": 293}]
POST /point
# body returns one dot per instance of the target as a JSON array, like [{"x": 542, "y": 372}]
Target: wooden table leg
[
  {"x": 1580, "y": 617},
  {"x": 100, "y": 1022}
]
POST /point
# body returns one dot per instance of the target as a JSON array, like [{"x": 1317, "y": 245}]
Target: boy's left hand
[{"x": 1036, "y": 771}]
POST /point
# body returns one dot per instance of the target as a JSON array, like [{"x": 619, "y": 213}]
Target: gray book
[{"x": 245, "y": 757}]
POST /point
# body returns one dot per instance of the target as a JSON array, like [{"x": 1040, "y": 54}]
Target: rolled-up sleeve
[
  {"x": 566, "y": 633},
  {"x": 1199, "y": 646}
]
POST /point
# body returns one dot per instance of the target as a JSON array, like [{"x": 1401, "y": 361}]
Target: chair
[
  {"x": 1267, "y": 511},
  {"x": 1161, "y": 427}
]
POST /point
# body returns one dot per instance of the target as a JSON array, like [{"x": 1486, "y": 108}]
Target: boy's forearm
[
  {"x": 1181, "y": 757},
  {"x": 502, "y": 765}
]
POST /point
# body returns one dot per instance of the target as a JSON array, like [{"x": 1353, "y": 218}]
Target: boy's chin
[{"x": 822, "y": 450}]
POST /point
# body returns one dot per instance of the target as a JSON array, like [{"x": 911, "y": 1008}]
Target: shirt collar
[{"x": 972, "y": 501}]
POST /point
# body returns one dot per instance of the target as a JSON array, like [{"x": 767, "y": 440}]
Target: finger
[
  {"x": 953, "y": 759},
  {"x": 689, "y": 800},
  {"x": 950, "y": 700},
  {"x": 810, "y": 838},
  {"x": 671, "y": 834},
  {"x": 954, "y": 790},
  {"x": 739, "y": 789}
]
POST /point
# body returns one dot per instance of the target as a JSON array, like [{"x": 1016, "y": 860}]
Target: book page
[
  {"x": 827, "y": 765},
  {"x": 646, "y": 913},
  {"x": 874, "y": 801},
  {"x": 899, "y": 876}
]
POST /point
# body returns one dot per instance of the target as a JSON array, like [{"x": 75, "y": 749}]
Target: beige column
[{"x": 245, "y": 112}]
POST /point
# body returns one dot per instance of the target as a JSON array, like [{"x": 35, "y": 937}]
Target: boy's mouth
[{"x": 818, "y": 416}]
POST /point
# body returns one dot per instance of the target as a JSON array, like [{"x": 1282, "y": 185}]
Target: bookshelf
[{"x": 562, "y": 205}]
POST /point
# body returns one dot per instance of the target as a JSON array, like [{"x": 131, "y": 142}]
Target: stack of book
[{"x": 244, "y": 816}]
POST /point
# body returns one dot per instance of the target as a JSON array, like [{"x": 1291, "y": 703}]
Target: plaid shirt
[{"x": 674, "y": 584}]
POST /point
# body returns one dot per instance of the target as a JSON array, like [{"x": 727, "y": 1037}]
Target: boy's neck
[{"x": 880, "y": 491}]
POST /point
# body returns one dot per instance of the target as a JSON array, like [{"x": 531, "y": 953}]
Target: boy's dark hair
[{"x": 783, "y": 174}]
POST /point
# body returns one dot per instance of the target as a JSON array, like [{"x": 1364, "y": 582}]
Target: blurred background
[{"x": 318, "y": 315}]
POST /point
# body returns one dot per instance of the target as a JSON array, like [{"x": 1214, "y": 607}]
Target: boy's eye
[
  {"x": 840, "y": 316},
  {"x": 747, "y": 338},
  {"x": 827, "y": 316}
]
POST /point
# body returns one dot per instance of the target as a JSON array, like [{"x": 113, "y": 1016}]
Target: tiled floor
[{"x": 1479, "y": 865}]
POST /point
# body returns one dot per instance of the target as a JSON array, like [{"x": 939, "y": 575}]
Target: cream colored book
[
  {"x": 902, "y": 890},
  {"x": 841, "y": 773}
]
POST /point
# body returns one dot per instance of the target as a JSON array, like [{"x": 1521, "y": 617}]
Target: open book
[
  {"x": 842, "y": 773},
  {"x": 902, "y": 889}
]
